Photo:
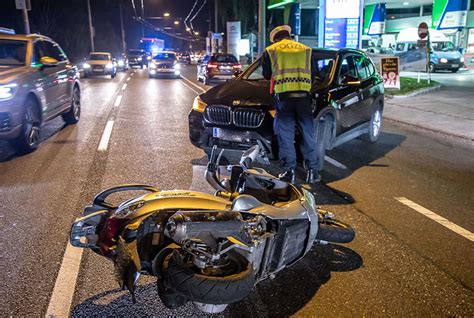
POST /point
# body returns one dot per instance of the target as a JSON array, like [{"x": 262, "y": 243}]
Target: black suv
[{"x": 347, "y": 97}]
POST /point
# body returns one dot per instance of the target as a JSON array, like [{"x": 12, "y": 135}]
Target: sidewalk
[{"x": 449, "y": 111}]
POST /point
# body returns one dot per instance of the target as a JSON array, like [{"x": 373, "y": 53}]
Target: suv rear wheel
[{"x": 29, "y": 137}]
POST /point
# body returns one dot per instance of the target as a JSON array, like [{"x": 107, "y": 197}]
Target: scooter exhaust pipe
[{"x": 190, "y": 224}]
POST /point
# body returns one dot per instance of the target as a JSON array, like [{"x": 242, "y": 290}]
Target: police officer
[{"x": 287, "y": 64}]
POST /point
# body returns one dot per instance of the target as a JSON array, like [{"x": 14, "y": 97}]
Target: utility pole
[
  {"x": 216, "y": 22},
  {"x": 143, "y": 17},
  {"x": 261, "y": 26},
  {"x": 122, "y": 29},
  {"x": 91, "y": 30},
  {"x": 26, "y": 21}
]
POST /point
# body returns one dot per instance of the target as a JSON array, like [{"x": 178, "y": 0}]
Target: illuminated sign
[
  {"x": 449, "y": 14},
  {"x": 342, "y": 9},
  {"x": 278, "y": 3},
  {"x": 342, "y": 23}
]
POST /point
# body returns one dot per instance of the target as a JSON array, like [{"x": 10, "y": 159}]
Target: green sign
[{"x": 278, "y": 3}]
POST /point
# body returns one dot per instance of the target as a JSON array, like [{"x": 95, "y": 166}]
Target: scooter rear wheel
[
  {"x": 334, "y": 231},
  {"x": 193, "y": 285}
]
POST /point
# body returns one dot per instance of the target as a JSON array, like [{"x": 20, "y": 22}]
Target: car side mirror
[
  {"x": 350, "y": 80},
  {"x": 47, "y": 61}
]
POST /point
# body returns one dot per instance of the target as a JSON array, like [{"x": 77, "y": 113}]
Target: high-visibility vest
[{"x": 291, "y": 66}]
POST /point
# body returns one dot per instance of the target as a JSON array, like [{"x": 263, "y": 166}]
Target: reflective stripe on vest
[{"x": 291, "y": 66}]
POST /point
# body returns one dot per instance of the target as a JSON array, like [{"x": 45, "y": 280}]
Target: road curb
[
  {"x": 469, "y": 140},
  {"x": 421, "y": 91}
]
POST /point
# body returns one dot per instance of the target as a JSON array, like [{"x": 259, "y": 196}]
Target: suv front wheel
[
  {"x": 375, "y": 125},
  {"x": 29, "y": 137},
  {"x": 74, "y": 113}
]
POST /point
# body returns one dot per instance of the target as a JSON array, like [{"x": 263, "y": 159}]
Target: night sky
[{"x": 66, "y": 22}]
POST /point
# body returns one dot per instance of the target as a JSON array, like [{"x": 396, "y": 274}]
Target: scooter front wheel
[{"x": 334, "y": 231}]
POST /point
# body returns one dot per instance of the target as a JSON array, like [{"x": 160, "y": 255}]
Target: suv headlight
[
  {"x": 443, "y": 60},
  {"x": 139, "y": 59},
  {"x": 152, "y": 65},
  {"x": 177, "y": 66},
  {"x": 86, "y": 65},
  {"x": 109, "y": 65},
  {"x": 121, "y": 63},
  {"x": 199, "y": 105},
  {"x": 7, "y": 91},
  {"x": 462, "y": 59}
]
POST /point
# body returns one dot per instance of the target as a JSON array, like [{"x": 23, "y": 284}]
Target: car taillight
[
  {"x": 211, "y": 65},
  {"x": 237, "y": 66}
]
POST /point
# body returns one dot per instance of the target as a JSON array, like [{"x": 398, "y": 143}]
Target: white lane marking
[
  {"x": 118, "y": 100},
  {"x": 193, "y": 84},
  {"x": 104, "y": 141},
  {"x": 63, "y": 292},
  {"x": 195, "y": 91},
  {"x": 128, "y": 78},
  {"x": 124, "y": 86},
  {"x": 335, "y": 163},
  {"x": 437, "y": 218}
]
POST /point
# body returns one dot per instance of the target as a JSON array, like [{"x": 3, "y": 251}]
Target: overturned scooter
[{"x": 208, "y": 249}]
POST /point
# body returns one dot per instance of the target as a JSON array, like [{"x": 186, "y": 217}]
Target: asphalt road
[{"x": 401, "y": 263}]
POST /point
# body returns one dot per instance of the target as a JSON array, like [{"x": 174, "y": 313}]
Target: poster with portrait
[{"x": 389, "y": 69}]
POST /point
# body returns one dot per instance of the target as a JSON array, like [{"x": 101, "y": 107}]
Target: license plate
[
  {"x": 455, "y": 65},
  {"x": 216, "y": 132},
  {"x": 226, "y": 68},
  {"x": 164, "y": 70}
]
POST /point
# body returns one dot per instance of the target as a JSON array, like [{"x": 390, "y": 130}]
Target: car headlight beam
[
  {"x": 109, "y": 65},
  {"x": 8, "y": 91},
  {"x": 86, "y": 65}
]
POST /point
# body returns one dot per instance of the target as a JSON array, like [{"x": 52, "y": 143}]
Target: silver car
[{"x": 37, "y": 83}]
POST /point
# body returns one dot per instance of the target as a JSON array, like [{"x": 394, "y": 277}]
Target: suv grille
[
  {"x": 241, "y": 117},
  {"x": 248, "y": 118},
  {"x": 4, "y": 121},
  {"x": 219, "y": 114}
]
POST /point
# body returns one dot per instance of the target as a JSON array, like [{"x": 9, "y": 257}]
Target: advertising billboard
[
  {"x": 449, "y": 14},
  {"x": 342, "y": 23},
  {"x": 374, "y": 19}
]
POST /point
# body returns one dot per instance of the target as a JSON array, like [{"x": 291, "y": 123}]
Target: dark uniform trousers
[{"x": 291, "y": 112}]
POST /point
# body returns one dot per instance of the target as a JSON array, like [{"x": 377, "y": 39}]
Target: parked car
[
  {"x": 100, "y": 63},
  {"x": 37, "y": 83},
  {"x": 164, "y": 63},
  {"x": 217, "y": 66},
  {"x": 121, "y": 61},
  {"x": 347, "y": 97},
  {"x": 137, "y": 57},
  {"x": 184, "y": 58}
]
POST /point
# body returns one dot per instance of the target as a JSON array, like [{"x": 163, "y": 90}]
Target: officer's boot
[
  {"x": 312, "y": 176},
  {"x": 288, "y": 176}
]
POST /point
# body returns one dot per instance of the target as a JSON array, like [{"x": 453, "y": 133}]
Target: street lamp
[
  {"x": 166, "y": 14},
  {"x": 176, "y": 22}
]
